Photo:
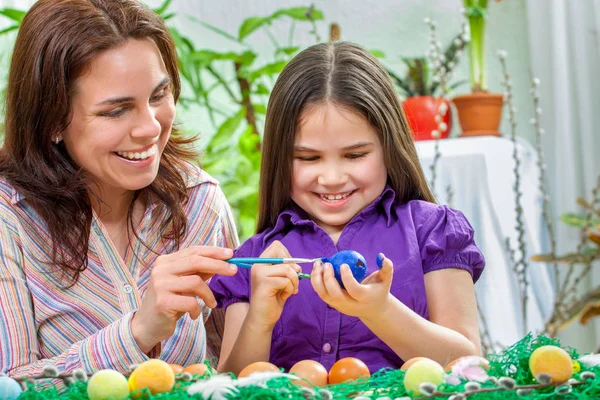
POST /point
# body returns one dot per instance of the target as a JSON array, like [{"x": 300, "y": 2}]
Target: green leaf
[
  {"x": 299, "y": 13},
  {"x": 9, "y": 29},
  {"x": 163, "y": 7},
  {"x": 13, "y": 13},
  {"x": 577, "y": 220},
  {"x": 261, "y": 89},
  {"x": 260, "y": 108},
  {"x": 215, "y": 29},
  {"x": 269, "y": 69},
  {"x": 226, "y": 131},
  {"x": 377, "y": 53},
  {"x": 250, "y": 25},
  {"x": 168, "y": 16},
  {"x": 205, "y": 57},
  {"x": 248, "y": 144},
  {"x": 288, "y": 51},
  {"x": 247, "y": 58}
]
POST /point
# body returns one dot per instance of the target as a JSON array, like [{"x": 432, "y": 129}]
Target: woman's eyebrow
[{"x": 118, "y": 100}]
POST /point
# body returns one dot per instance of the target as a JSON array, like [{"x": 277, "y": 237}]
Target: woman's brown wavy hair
[
  {"x": 350, "y": 77},
  {"x": 57, "y": 41}
]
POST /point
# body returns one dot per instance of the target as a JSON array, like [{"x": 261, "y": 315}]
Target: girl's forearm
[
  {"x": 253, "y": 344},
  {"x": 410, "y": 335}
]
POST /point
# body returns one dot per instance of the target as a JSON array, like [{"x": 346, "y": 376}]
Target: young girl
[{"x": 340, "y": 172}]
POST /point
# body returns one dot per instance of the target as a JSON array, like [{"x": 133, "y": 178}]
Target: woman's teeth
[
  {"x": 138, "y": 156},
  {"x": 334, "y": 197}
]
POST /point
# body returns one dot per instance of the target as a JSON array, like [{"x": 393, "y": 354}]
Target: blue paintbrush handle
[
  {"x": 255, "y": 260},
  {"x": 248, "y": 266}
]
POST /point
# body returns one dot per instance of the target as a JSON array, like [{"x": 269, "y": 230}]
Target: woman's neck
[{"x": 111, "y": 206}]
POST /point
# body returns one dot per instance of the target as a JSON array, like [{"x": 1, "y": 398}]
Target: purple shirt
[{"x": 419, "y": 237}]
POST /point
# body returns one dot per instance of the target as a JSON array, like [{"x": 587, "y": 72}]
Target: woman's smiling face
[{"x": 122, "y": 115}]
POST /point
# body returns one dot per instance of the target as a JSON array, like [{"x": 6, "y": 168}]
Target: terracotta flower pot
[
  {"x": 421, "y": 112},
  {"x": 479, "y": 114}
]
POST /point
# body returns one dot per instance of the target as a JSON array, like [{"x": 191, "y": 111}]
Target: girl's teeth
[{"x": 330, "y": 197}]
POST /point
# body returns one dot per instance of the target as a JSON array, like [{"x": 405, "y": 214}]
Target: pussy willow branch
[
  {"x": 539, "y": 132},
  {"x": 521, "y": 266}
]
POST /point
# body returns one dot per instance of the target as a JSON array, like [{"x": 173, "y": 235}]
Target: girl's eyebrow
[
  {"x": 357, "y": 145},
  {"x": 351, "y": 147},
  {"x": 118, "y": 100}
]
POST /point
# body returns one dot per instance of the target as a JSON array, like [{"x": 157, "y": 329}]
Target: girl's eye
[
  {"x": 308, "y": 158},
  {"x": 355, "y": 155}
]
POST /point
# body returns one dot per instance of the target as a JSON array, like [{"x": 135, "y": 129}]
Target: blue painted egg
[
  {"x": 353, "y": 259},
  {"x": 9, "y": 388}
]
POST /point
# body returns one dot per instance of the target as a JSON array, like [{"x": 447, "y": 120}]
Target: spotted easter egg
[
  {"x": 354, "y": 260},
  {"x": 155, "y": 375},
  {"x": 107, "y": 384},
  {"x": 552, "y": 361},
  {"x": 348, "y": 368},
  {"x": 9, "y": 388}
]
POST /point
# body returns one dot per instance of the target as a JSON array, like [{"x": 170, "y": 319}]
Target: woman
[{"x": 108, "y": 234}]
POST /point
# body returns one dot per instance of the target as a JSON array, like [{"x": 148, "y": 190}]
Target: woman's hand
[
  {"x": 272, "y": 285},
  {"x": 359, "y": 299},
  {"x": 176, "y": 282}
]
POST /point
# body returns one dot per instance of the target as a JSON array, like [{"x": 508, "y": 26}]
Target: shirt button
[
  {"x": 127, "y": 289},
  {"x": 327, "y": 348}
]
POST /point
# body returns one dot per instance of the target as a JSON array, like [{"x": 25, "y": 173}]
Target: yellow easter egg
[
  {"x": 155, "y": 375},
  {"x": 576, "y": 367},
  {"x": 552, "y": 361}
]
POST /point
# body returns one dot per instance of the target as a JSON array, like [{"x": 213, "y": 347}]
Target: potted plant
[
  {"x": 422, "y": 91},
  {"x": 479, "y": 112}
]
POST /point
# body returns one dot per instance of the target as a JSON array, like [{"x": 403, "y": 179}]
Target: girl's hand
[
  {"x": 272, "y": 285},
  {"x": 358, "y": 300},
  {"x": 176, "y": 282}
]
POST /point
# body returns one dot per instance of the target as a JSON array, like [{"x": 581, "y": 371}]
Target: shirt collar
[{"x": 296, "y": 216}]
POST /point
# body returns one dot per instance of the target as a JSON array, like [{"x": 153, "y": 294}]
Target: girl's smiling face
[
  {"x": 122, "y": 115},
  {"x": 338, "y": 167}
]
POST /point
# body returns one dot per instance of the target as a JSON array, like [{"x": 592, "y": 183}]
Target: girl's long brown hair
[
  {"x": 57, "y": 41},
  {"x": 349, "y": 76}
]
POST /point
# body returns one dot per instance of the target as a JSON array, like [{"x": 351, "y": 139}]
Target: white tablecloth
[{"x": 480, "y": 172}]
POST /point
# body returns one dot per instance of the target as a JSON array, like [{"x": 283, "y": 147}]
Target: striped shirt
[{"x": 88, "y": 325}]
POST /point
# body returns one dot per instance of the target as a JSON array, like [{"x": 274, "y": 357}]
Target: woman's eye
[
  {"x": 308, "y": 158},
  {"x": 158, "y": 96},
  {"x": 117, "y": 112},
  {"x": 355, "y": 155}
]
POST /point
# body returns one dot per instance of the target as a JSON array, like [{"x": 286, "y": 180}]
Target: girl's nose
[{"x": 332, "y": 176}]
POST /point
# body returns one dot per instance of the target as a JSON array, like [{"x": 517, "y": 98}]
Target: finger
[
  {"x": 295, "y": 267},
  {"x": 316, "y": 280},
  {"x": 387, "y": 271},
  {"x": 282, "y": 251},
  {"x": 276, "y": 250},
  {"x": 216, "y": 252},
  {"x": 181, "y": 305},
  {"x": 288, "y": 291},
  {"x": 354, "y": 289},
  {"x": 193, "y": 286},
  {"x": 196, "y": 264},
  {"x": 332, "y": 286}
]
